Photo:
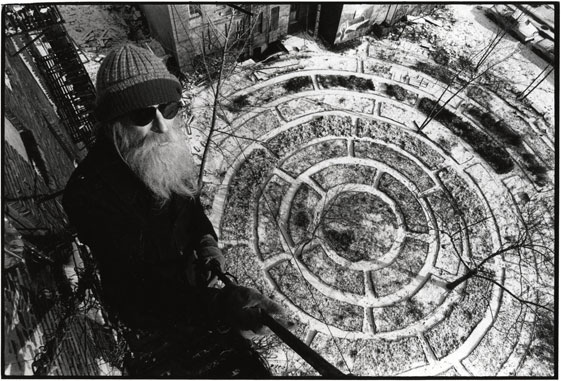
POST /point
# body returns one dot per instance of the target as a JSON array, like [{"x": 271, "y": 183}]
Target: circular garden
[{"x": 331, "y": 200}]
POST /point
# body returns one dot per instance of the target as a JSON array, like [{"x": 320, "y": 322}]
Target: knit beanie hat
[{"x": 130, "y": 78}]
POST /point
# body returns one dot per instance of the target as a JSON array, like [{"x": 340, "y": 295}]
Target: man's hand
[
  {"x": 207, "y": 252},
  {"x": 241, "y": 307}
]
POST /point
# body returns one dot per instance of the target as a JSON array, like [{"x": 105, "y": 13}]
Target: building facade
[
  {"x": 189, "y": 32},
  {"x": 47, "y": 127}
]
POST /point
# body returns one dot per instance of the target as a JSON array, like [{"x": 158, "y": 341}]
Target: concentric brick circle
[{"x": 357, "y": 222}]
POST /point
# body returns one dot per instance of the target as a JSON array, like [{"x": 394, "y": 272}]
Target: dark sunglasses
[{"x": 143, "y": 116}]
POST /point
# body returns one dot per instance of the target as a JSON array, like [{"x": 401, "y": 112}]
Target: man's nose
[{"x": 159, "y": 124}]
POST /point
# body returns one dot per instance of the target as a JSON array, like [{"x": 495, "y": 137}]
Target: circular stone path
[{"x": 331, "y": 202}]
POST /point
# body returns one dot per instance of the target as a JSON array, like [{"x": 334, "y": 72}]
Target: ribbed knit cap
[{"x": 130, "y": 78}]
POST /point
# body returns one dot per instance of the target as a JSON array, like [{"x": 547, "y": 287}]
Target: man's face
[
  {"x": 149, "y": 129},
  {"x": 158, "y": 151}
]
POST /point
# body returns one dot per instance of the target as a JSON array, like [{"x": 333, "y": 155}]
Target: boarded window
[
  {"x": 260, "y": 23},
  {"x": 275, "y": 18}
]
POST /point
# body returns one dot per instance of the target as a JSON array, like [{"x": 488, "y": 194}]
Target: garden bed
[
  {"x": 315, "y": 259},
  {"x": 308, "y": 156},
  {"x": 349, "y": 82},
  {"x": 298, "y": 107},
  {"x": 273, "y": 68},
  {"x": 497, "y": 127},
  {"x": 473, "y": 209},
  {"x": 400, "y": 94},
  {"x": 492, "y": 152},
  {"x": 538, "y": 171},
  {"x": 268, "y": 94},
  {"x": 377, "y": 68},
  {"x": 236, "y": 222},
  {"x": 396, "y": 160},
  {"x": 403, "y": 270},
  {"x": 242, "y": 263},
  {"x": 290, "y": 140},
  {"x": 382, "y": 358},
  {"x": 449, "y": 223},
  {"x": 409, "y": 206},
  {"x": 359, "y": 226},
  {"x": 329, "y": 62},
  {"x": 338, "y": 314},
  {"x": 397, "y": 316},
  {"x": 398, "y": 114},
  {"x": 255, "y": 127},
  {"x": 268, "y": 235},
  {"x": 449, "y": 334},
  {"x": 497, "y": 345},
  {"x": 430, "y": 296},
  {"x": 297, "y": 84},
  {"x": 348, "y": 102},
  {"x": 395, "y": 135},
  {"x": 339, "y": 174},
  {"x": 300, "y": 220}
]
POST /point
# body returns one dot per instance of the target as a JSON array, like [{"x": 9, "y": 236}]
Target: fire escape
[{"x": 39, "y": 29}]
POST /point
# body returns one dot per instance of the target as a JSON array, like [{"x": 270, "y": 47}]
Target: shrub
[
  {"x": 494, "y": 154},
  {"x": 499, "y": 127},
  {"x": 238, "y": 103},
  {"x": 350, "y": 82},
  {"x": 439, "y": 72},
  {"x": 440, "y": 56},
  {"x": 397, "y": 92},
  {"x": 538, "y": 170},
  {"x": 294, "y": 85}
]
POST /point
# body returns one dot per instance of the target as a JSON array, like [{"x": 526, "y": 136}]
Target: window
[
  {"x": 194, "y": 10},
  {"x": 35, "y": 154},
  {"x": 275, "y": 18}
]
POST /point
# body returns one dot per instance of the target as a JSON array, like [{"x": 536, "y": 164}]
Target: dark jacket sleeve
[{"x": 204, "y": 225}]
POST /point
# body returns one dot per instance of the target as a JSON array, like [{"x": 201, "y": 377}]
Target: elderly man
[{"x": 133, "y": 200}]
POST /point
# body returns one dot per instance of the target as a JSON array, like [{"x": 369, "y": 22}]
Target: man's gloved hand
[
  {"x": 207, "y": 251},
  {"x": 241, "y": 308}
]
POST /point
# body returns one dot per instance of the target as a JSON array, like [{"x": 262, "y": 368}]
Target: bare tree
[
  {"x": 470, "y": 70},
  {"x": 529, "y": 252},
  {"x": 222, "y": 47}
]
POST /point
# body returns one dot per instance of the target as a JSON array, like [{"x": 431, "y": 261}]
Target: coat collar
[{"x": 116, "y": 174}]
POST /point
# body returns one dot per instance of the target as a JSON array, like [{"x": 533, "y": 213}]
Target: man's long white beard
[{"x": 163, "y": 161}]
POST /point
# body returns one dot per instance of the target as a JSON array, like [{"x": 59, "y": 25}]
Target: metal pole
[
  {"x": 308, "y": 354},
  {"x": 522, "y": 96}
]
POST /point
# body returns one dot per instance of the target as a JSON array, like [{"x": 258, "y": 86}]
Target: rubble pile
[{"x": 97, "y": 28}]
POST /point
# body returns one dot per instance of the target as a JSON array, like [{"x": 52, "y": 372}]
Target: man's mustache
[{"x": 156, "y": 139}]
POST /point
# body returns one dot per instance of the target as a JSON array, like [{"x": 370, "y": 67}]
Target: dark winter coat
[{"x": 146, "y": 254}]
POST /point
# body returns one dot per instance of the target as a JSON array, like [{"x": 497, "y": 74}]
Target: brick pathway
[{"x": 388, "y": 313}]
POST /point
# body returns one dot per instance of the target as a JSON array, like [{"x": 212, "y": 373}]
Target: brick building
[
  {"x": 47, "y": 128},
  {"x": 187, "y": 31}
]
